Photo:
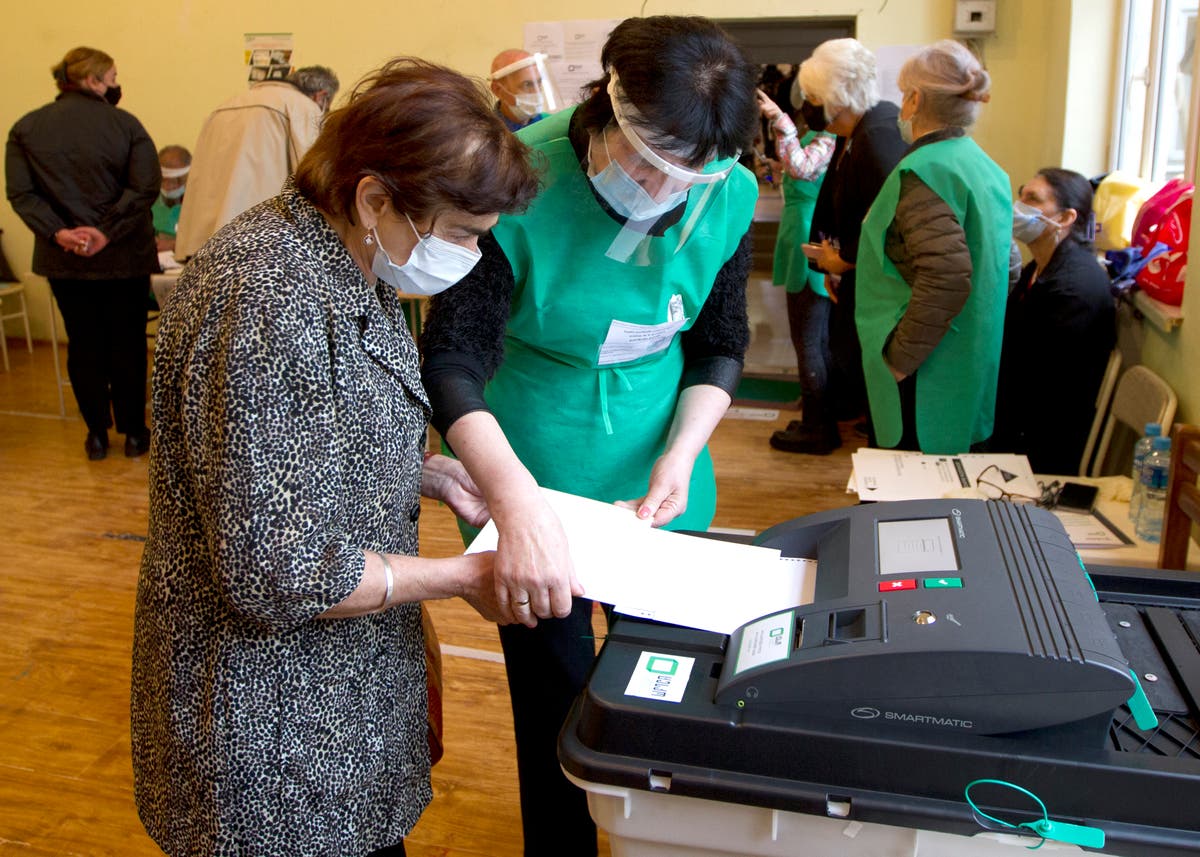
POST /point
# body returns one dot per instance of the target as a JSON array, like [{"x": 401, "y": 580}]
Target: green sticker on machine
[{"x": 766, "y": 641}]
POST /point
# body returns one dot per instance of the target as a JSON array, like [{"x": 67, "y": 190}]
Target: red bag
[{"x": 1165, "y": 217}]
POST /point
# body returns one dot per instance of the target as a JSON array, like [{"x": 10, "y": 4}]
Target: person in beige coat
[{"x": 247, "y": 149}]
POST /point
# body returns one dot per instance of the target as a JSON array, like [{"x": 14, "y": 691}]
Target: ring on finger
[{"x": 524, "y": 603}]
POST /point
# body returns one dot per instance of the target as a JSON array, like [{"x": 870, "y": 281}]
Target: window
[{"x": 1155, "y": 103}]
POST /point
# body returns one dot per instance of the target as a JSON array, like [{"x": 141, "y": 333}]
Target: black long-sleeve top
[
  {"x": 79, "y": 161},
  {"x": 1058, "y": 333},
  {"x": 463, "y": 341}
]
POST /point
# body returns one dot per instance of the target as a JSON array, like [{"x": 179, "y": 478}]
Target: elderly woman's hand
[
  {"x": 829, "y": 259},
  {"x": 479, "y": 586},
  {"x": 535, "y": 577},
  {"x": 444, "y": 478},
  {"x": 768, "y": 108}
]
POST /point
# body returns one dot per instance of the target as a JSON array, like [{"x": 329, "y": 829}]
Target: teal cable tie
[
  {"x": 1045, "y": 827},
  {"x": 1139, "y": 706}
]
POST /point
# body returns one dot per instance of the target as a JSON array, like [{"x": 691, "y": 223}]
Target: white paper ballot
[{"x": 670, "y": 577}]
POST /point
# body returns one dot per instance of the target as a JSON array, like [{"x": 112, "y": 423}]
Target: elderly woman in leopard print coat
[{"x": 278, "y": 701}]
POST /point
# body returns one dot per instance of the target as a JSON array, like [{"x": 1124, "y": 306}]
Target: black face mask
[
  {"x": 814, "y": 117},
  {"x": 112, "y": 95}
]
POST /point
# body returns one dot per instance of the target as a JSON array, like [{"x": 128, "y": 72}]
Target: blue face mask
[
  {"x": 625, "y": 196},
  {"x": 1029, "y": 224}
]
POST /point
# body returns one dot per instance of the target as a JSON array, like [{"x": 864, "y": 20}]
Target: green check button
[{"x": 943, "y": 583}]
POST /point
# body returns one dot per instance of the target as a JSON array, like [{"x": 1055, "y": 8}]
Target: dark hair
[
  {"x": 78, "y": 65},
  {"x": 429, "y": 135},
  {"x": 1071, "y": 190},
  {"x": 313, "y": 78},
  {"x": 688, "y": 80}
]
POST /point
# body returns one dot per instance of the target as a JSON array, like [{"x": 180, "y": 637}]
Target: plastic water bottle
[
  {"x": 1140, "y": 450},
  {"x": 1155, "y": 472}
]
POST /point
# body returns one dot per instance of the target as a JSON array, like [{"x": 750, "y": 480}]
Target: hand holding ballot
[{"x": 670, "y": 577}]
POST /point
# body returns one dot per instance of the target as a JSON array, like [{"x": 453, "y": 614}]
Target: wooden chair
[
  {"x": 1141, "y": 397},
  {"x": 1183, "y": 498},
  {"x": 16, "y": 290},
  {"x": 1103, "y": 397}
]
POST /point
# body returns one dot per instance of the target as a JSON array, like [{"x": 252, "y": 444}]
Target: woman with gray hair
[
  {"x": 934, "y": 266},
  {"x": 840, "y": 95}
]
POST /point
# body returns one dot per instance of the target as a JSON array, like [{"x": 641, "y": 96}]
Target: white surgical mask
[
  {"x": 1029, "y": 224},
  {"x": 906, "y": 132},
  {"x": 528, "y": 105},
  {"x": 433, "y": 266},
  {"x": 177, "y": 193},
  {"x": 625, "y": 196}
]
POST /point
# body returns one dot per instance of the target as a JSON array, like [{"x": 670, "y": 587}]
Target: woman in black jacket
[
  {"x": 83, "y": 176},
  {"x": 1059, "y": 327},
  {"x": 840, "y": 86}
]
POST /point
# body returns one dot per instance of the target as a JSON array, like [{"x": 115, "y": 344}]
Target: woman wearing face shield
[
  {"x": 279, "y": 687},
  {"x": 933, "y": 266},
  {"x": 1059, "y": 327},
  {"x": 595, "y": 348}
]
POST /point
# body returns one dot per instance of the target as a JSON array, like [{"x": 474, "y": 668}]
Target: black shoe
[
  {"x": 809, "y": 441},
  {"x": 137, "y": 444},
  {"x": 96, "y": 446}
]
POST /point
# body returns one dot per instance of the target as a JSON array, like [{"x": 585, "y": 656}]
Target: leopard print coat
[{"x": 289, "y": 424}]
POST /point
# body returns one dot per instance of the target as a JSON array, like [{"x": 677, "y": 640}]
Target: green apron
[
  {"x": 791, "y": 265},
  {"x": 956, "y": 385},
  {"x": 579, "y": 426}
]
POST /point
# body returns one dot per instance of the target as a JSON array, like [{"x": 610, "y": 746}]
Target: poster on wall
[
  {"x": 573, "y": 51},
  {"x": 268, "y": 56},
  {"x": 888, "y": 60}
]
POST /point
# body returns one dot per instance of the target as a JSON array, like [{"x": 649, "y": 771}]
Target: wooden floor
[{"x": 72, "y": 541}]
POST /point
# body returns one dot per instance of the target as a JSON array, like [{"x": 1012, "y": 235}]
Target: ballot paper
[
  {"x": 887, "y": 474},
  {"x": 671, "y": 577}
]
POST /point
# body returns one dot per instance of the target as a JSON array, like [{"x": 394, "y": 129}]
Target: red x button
[{"x": 894, "y": 585}]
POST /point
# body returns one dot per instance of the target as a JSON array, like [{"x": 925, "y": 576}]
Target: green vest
[
  {"x": 166, "y": 217},
  {"x": 579, "y": 426},
  {"x": 791, "y": 265},
  {"x": 956, "y": 385}
]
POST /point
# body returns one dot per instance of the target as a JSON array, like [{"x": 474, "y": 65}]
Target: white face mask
[
  {"x": 528, "y": 105},
  {"x": 433, "y": 266},
  {"x": 625, "y": 196}
]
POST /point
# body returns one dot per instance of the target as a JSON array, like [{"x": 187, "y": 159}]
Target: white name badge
[{"x": 628, "y": 341}]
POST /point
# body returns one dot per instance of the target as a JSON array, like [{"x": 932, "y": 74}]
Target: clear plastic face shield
[
  {"x": 642, "y": 176},
  {"x": 528, "y": 87}
]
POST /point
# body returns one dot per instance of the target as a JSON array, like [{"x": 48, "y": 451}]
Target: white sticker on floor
[{"x": 660, "y": 676}]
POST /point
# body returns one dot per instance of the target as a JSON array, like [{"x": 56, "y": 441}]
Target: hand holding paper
[{"x": 671, "y": 577}]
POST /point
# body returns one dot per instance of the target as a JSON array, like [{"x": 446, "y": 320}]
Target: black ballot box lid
[{"x": 666, "y": 733}]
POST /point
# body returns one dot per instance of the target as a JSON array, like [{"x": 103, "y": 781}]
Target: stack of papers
[
  {"x": 887, "y": 474},
  {"x": 670, "y": 577}
]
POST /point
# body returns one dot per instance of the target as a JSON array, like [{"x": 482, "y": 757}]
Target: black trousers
[
  {"x": 846, "y": 379},
  {"x": 808, "y": 322},
  {"x": 106, "y": 352},
  {"x": 396, "y": 850},
  {"x": 548, "y": 667}
]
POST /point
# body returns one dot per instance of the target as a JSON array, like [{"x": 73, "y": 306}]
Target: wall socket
[{"x": 974, "y": 17}]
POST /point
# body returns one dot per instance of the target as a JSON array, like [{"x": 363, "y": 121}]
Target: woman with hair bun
[
  {"x": 933, "y": 266},
  {"x": 83, "y": 176}
]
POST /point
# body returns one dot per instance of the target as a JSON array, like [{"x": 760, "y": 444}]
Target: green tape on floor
[{"x": 768, "y": 390}]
